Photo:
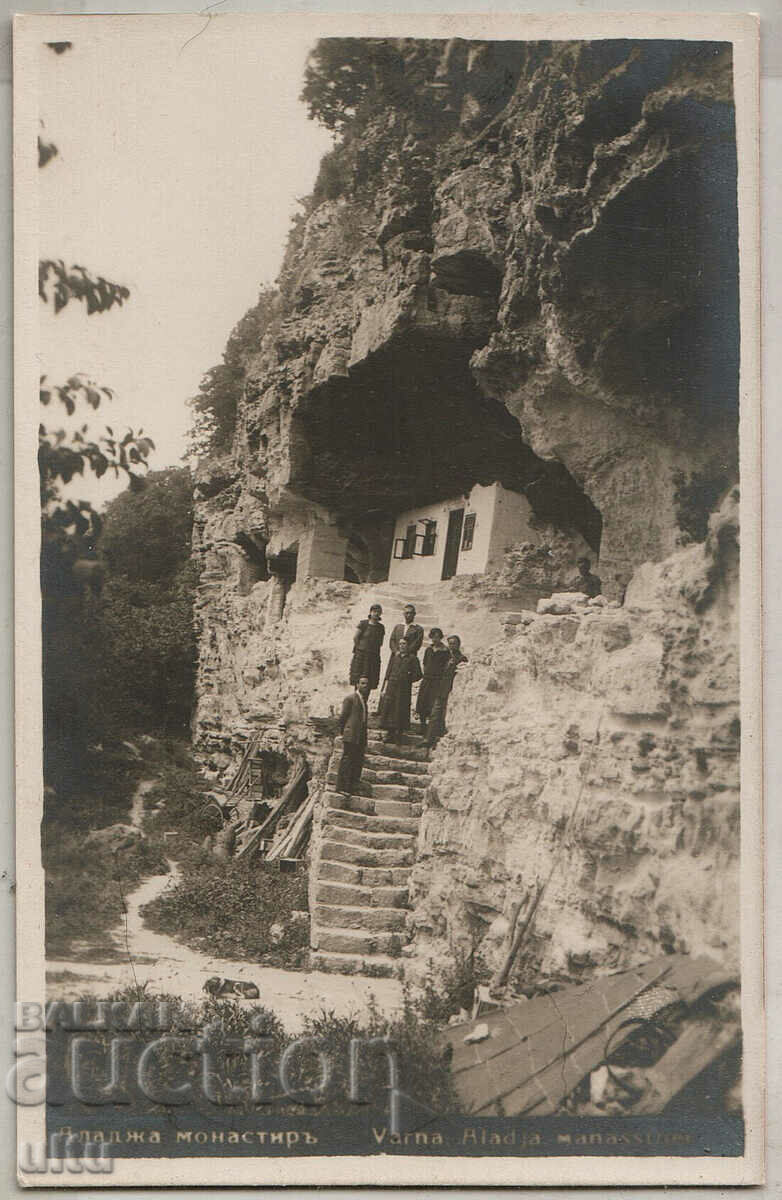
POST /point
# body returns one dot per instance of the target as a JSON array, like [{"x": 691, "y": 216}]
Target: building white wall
[
  {"x": 482, "y": 502},
  {"x": 422, "y": 569},
  {"x": 511, "y": 526},
  {"x": 502, "y": 520}
]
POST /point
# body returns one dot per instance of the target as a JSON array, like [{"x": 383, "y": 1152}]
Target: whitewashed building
[{"x": 466, "y": 535}]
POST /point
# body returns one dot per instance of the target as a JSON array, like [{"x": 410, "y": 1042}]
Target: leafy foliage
[
  {"x": 147, "y": 533},
  {"x": 85, "y": 886},
  {"x": 215, "y": 406},
  {"x": 423, "y": 1065},
  {"x": 349, "y": 80},
  {"x": 453, "y": 988},
  {"x": 59, "y": 284},
  {"x": 338, "y": 80},
  {"x": 144, "y": 617}
]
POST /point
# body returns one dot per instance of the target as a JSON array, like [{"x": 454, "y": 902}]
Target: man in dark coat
[
  {"x": 407, "y": 629},
  {"x": 436, "y": 726},
  {"x": 585, "y": 581},
  {"x": 353, "y": 727},
  {"x": 366, "y": 648}
]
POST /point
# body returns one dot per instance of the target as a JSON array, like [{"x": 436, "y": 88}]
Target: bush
[
  {"x": 86, "y": 888},
  {"x": 228, "y": 909},
  {"x": 454, "y": 988},
  {"x": 216, "y": 403},
  {"x": 423, "y": 1063}
]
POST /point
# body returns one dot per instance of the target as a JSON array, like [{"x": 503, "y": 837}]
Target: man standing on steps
[
  {"x": 353, "y": 727},
  {"x": 407, "y": 629}
]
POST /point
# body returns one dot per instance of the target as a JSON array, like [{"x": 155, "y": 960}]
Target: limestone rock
[{"x": 504, "y": 275}]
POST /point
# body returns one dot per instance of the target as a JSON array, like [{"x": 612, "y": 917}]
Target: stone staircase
[{"x": 367, "y": 850}]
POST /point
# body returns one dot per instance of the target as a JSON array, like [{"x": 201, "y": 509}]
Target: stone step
[
  {"x": 357, "y": 804},
  {"x": 381, "y": 762},
  {"x": 333, "y": 828},
  {"x": 339, "y": 850},
  {"x": 367, "y": 920},
  {"x": 378, "y": 966},
  {"x": 412, "y": 734},
  {"x": 383, "y": 791},
  {"x": 376, "y": 745},
  {"x": 397, "y": 808},
  {"x": 396, "y": 774},
  {"x": 378, "y": 808},
  {"x": 357, "y": 941},
  {"x": 332, "y": 871},
  {"x": 371, "y": 822},
  {"x": 354, "y": 895},
  {"x": 418, "y": 754},
  {"x": 399, "y": 778},
  {"x": 390, "y": 791}
]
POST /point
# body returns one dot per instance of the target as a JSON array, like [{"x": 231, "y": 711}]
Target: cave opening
[
  {"x": 357, "y": 560},
  {"x": 269, "y": 772},
  {"x": 283, "y": 569},
  {"x": 408, "y": 428},
  {"x": 254, "y": 568}
]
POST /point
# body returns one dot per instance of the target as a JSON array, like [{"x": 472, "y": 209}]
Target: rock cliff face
[
  {"x": 595, "y": 752},
  {"x": 524, "y": 270}
]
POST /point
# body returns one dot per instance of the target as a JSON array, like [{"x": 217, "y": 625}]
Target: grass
[
  {"x": 86, "y": 883},
  {"x": 236, "y": 910},
  {"x": 229, "y": 908},
  {"x": 319, "y": 1073},
  {"x": 454, "y": 987}
]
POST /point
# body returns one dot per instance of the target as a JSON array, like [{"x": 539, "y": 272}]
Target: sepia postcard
[{"x": 388, "y": 726}]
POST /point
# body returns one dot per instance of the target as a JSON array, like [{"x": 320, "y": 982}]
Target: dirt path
[{"x": 165, "y": 966}]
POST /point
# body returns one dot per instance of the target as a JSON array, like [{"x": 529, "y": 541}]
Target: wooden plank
[
  {"x": 700, "y": 1044},
  {"x": 286, "y": 845},
  {"x": 577, "y": 1020},
  {"x": 241, "y": 770},
  {"x": 300, "y": 778},
  {"x": 695, "y": 977},
  {"x": 559, "y": 1078},
  {"x": 509, "y": 1104},
  {"x": 485, "y": 1085},
  {"x": 506, "y": 1028}
]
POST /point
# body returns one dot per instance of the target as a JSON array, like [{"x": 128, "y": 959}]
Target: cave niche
[{"x": 409, "y": 427}]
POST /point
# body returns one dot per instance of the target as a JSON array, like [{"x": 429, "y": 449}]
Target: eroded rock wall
[
  {"x": 596, "y": 752},
  {"x": 568, "y": 261},
  {"x": 530, "y": 275}
]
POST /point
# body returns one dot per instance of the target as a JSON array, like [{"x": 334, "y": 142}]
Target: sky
[{"x": 178, "y": 171}]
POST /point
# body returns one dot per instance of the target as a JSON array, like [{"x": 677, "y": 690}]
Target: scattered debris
[
  {"x": 275, "y": 829},
  {"x": 628, "y": 1043}
]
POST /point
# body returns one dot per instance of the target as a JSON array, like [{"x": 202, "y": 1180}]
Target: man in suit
[
  {"x": 585, "y": 581},
  {"x": 353, "y": 727},
  {"x": 407, "y": 629}
]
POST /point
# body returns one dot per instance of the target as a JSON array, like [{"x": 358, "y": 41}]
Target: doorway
[{"x": 452, "y": 541}]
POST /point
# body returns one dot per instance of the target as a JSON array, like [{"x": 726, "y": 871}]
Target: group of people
[{"x": 441, "y": 660}]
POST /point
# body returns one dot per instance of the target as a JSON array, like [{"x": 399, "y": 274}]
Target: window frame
[{"x": 468, "y": 531}]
